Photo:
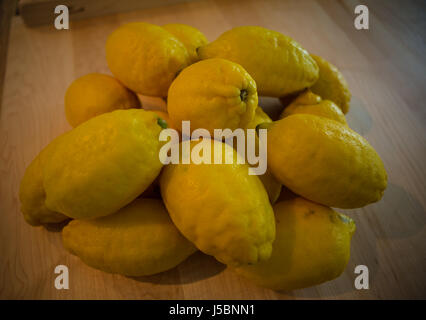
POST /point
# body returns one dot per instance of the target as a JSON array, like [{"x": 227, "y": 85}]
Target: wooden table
[{"x": 385, "y": 69}]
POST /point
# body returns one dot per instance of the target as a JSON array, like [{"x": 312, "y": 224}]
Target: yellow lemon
[
  {"x": 103, "y": 164},
  {"x": 272, "y": 185},
  {"x": 191, "y": 38},
  {"x": 312, "y": 246},
  {"x": 94, "y": 94},
  {"x": 139, "y": 239},
  {"x": 207, "y": 205},
  {"x": 213, "y": 94},
  {"x": 325, "y": 161},
  {"x": 331, "y": 84},
  {"x": 277, "y": 63},
  {"x": 145, "y": 57},
  {"x": 310, "y": 103},
  {"x": 32, "y": 194}
]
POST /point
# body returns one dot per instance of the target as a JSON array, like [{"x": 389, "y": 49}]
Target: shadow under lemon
[{"x": 196, "y": 267}]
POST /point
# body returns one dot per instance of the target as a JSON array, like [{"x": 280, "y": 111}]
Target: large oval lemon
[
  {"x": 94, "y": 94},
  {"x": 212, "y": 94},
  {"x": 103, "y": 164},
  {"x": 208, "y": 206},
  {"x": 312, "y": 246},
  {"x": 277, "y": 63},
  {"x": 325, "y": 161},
  {"x": 32, "y": 194},
  {"x": 145, "y": 57},
  {"x": 140, "y": 239}
]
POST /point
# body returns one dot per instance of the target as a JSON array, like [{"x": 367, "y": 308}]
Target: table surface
[{"x": 385, "y": 69}]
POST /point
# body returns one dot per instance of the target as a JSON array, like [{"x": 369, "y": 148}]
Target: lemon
[
  {"x": 94, "y": 94},
  {"x": 312, "y": 246},
  {"x": 139, "y": 239},
  {"x": 145, "y": 57},
  {"x": 191, "y": 38},
  {"x": 325, "y": 161},
  {"x": 208, "y": 206},
  {"x": 331, "y": 84},
  {"x": 103, "y": 164},
  {"x": 32, "y": 195},
  {"x": 272, "y": 185},
  {"x": 277, "y": 63},
  {"x": 310, "y": 103},
  {"x": 212, "y": 94}
]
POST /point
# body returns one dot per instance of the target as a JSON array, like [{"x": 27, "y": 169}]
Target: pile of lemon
[{"x": 104, "y": 173}]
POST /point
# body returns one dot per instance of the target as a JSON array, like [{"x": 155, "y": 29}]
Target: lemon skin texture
[
  {"x": 32, "y": 195},
  {"x": 206, "y": 204},
  {"x": 277, "y": 63},
  {"x": 145, "y": 57},
  {"x": 212, "y": 94},
  {"x": 138, "y": 240},
  {"x": 325, "y": 161},
  {"x": 191, "y": 38},
  {"x": 272, "y": 185},
  {"x": 331, "y": 84},
  {"x": 312, "y": 246},
  {"x": 310, "y": 103},
  {"x": 94, "y": 94},
  {"x": 103, "y": 164}
]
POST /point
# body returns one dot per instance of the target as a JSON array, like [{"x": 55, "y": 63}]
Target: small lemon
[
  {"x": 331, "y": 84},
  {"x": 103, "y": 164},
  {"x": 138, "y": 240},
  {"x": 312, "y": 246},
  {"x": 207, "y": 205},
  {"x": 325, "y": 161},
  {"x": 310, "y": 103},
  {"x": 145, "y": 57},
  {"x": 277, "y": 63},
  {"x": 94, "y": 94},
  {"x": 213, "y": 94},
  {"x": 191, "y": 38}
]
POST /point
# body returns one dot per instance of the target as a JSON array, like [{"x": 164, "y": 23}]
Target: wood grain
[
  {"x": 40, "y": 12},
  {"x": 7, "y": 10},
  {"x": 385, "y": 69}
]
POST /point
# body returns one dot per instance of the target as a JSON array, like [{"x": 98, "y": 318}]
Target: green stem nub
[
  {"x": 243, "y": 95},
  {"x": 162, "y": 123}
]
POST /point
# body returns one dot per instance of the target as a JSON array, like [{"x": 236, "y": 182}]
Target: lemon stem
[
  {"x": 162, "y": 123},
  {"x": 243, "y": 95}
]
